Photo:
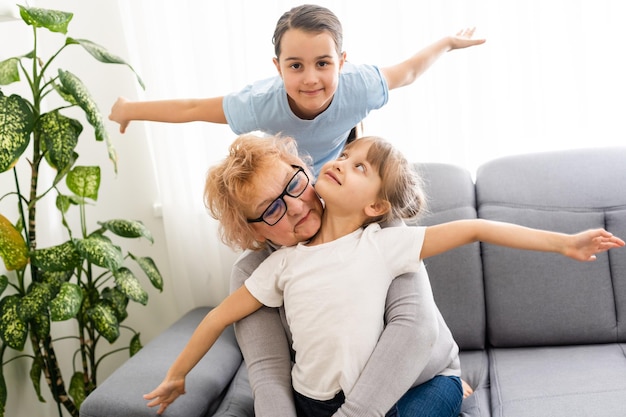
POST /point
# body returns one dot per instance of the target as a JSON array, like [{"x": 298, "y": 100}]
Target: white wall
[{"x": 129, "y": 195}]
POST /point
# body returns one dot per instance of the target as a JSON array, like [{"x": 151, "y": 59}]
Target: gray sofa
[{"x": 540, "y": 334}]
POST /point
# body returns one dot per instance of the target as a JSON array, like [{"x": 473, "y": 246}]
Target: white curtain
[{"x": 550, "y": 76}]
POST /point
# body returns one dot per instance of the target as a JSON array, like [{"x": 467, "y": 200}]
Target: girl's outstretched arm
[
  {"x": 234, "y": 307},
  {"x": 581, "y": 246},
  {"x": 170, "y": 111},
  {"x": 406, "y": 72}
]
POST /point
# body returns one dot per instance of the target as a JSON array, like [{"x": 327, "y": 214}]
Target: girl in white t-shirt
[{"x": 334, "y": 286}]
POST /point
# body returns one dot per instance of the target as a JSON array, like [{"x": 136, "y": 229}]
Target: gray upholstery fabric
[
  {"x": 238, "y": 401},
  {"x": 121, "y": 393},
  {"x": 559, "y": 381},
  {"x": 456, "y": 276}
]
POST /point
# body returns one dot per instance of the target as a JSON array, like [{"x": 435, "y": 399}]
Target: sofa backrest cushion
[
  {"x": 455, "y": 276},
  {"x": 537, "y": 299}
]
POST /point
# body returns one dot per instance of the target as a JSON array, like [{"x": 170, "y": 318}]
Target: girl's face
[
  {"x": 303, "y": 217},
  {"x": 309, "y": 66},
  {"x": 350, "y": 185}
]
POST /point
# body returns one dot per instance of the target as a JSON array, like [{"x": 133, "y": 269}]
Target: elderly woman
[{"x": 266, "y": 209}]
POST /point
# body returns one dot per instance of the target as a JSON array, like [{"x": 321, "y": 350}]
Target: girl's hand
[
  {"x": 117, "y": 114},
  {"x": 585, "y": 245},
  {"x": 166, "y": 393},
  {"x": 463, "y": 39}
]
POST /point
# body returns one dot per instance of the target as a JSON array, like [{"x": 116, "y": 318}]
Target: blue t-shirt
[{"x": 263, "y": 106}]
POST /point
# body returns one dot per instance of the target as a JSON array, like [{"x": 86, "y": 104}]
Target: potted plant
[{"x": 83, "y": 277}]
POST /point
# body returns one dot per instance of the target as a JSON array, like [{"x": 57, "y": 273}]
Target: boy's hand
[
  {"x": 165, "y": 394},
  {"x": 463, "y": 39},
  {"x": 585, "y": 245}
]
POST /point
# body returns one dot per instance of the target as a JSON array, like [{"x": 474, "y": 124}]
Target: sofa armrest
[{"x": 120, "y": 395}]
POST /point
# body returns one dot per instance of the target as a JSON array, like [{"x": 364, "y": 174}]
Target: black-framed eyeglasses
[{"x": 277, "y": 208}]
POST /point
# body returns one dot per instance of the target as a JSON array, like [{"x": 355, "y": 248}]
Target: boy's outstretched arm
[
  {"x": 234, "y": 307},
  {"x": 406, "y": 72},
  {"x": 581, "y": 246},
  {"x": 170, "y": 111}
]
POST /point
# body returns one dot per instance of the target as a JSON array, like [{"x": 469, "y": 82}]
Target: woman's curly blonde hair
[{"x": 229, "y": 185}]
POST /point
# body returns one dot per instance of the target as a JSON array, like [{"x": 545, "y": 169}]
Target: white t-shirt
[{"x": 334, "y": 297}]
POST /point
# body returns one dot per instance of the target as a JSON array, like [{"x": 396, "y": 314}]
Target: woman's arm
[
  {"x": 170, "y": 111},
  {"x": 402, "y": 351},
  {"x": 581, "y": 246},
  {"x": 265, "y": 347}
]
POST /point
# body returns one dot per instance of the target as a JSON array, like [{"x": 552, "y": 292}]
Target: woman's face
[{"x": 303, "y": 217}]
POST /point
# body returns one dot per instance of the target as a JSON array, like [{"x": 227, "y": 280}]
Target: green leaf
[
  {"x": 53, "y": 20},
  {"x": 66, "y": 304},
  {"x": 100, "y": 252},
  {"x": 63, "y": 203},
  {"x": 40, "y": 325},
  {"x": 13, "y": 330},
  {"x": 35, "y": 301},
  {"x": 135, "y": 344},
  {"x": 77, "y": 388},
  {"x": 77, "y": 89},
  {"x": 9, "y": 72},
  {"x": 13, "y": 248},
  {"x": 35, "y": 376},
  {"x": 150, "y": 269},
  {"x": 4, "y": 281},
  {"x": 84, "y": 181},
  {"x": 63, "y": 257},
  {"x": 127, "y": 228},
  {"x": 16, "y": 125},
  {"x": 3, "y": 392},
  {"x": 130, "y": 286},
  {"x": 59, "y": 136},
  {"x": 104, "y": 321},
  {"x": 118, "y": 300},
  {"x": 55, "y": 278},
  {"x": 102, "y": 55}
]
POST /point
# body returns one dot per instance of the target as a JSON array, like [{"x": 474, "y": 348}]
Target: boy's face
[
  {"x": 309, "y": 66},
  {"x": 350, "y": 185},
  {"x": 303, "y": 217}
]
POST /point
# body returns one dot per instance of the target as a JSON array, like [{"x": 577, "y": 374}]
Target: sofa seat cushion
[
  {"x": 587, "y": 380},
  {"x": 121, "y": 394},
  {"x": 475, "y": 371}
]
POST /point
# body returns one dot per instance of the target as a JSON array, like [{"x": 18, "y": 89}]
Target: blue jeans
[{"x": 440, "y": 397}]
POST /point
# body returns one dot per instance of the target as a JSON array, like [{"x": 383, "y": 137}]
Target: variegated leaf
[
  {"x": 63, "y": 257},
  {"x": 127, "y": 228},
  {"x": 84, "y": 181},
  {"x": 150, "y": 269},
  {"x": 16, "y": 125},
  {"x": 102, "y": 55},
  {"x": 77, "y": 388},
  {"x": 13, "y": 330},
  {"x": 40, "y": 325},
  {"x": 104, "y": 321},
  {"x": 9, "y": 72},
  {"x": 77, "y": 89},
  {"x": 100, "y": 252},
  {"x": 53, "y": 20},
  {"x": 4, "y": 281},
  {"x": 13, "y": 248},
  {"x": 118, "y": 300},
  {"x": 130, "y": 286},
  {"x": 60, "y": 137},
  {"x": 135, "y": 344},
  {"x": 66, "y": 304},
  {"x": 36, "y": 370},
  {"x": 35, "y": 301}
]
